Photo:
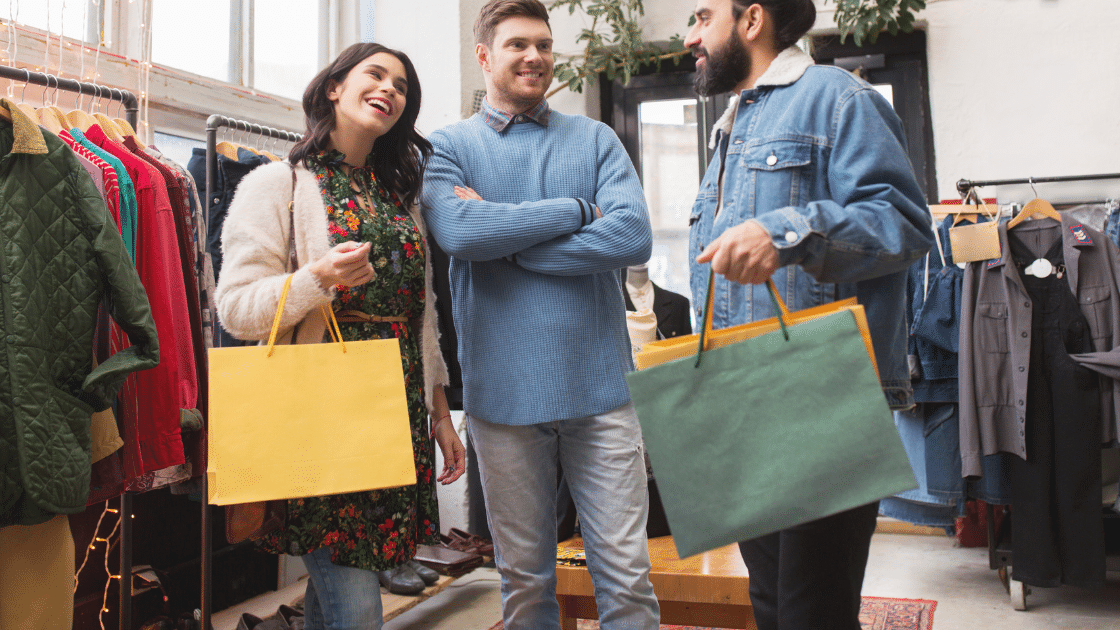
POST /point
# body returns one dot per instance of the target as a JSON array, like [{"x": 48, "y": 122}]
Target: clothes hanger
[
  {"x": 24, "y": 106},
  {"x": 228, "y": 149},
  {"x": 109, "y": 127},
  {"x": 977, "y": 205},
  {"x": 125, "y": 127},
  {"x": 79, "y": 118},
  {"x": 49, "y": 116},
  {"x": 246, "y": 145},
  {"x": 5, "y": 113},
  {"x": 1035, "y": 208},
  {"x": 262, "y": 148}
]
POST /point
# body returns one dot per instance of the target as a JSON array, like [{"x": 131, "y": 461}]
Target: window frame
[{"x": 179, "y": 101}]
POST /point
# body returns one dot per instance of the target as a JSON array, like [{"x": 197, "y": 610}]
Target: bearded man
[{"x": 810, "y": 184}]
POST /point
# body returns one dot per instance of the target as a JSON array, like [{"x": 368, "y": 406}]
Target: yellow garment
[
  {"x": 37, "y": 576},
  {"x": 104, "y": 434},
  {"x": 27, "y": 137}
]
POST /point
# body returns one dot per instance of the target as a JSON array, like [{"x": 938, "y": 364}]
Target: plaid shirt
[{"x": 499, "y": 120}]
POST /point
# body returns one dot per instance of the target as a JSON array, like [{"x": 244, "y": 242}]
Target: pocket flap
[{"x": 774, "y": 156}]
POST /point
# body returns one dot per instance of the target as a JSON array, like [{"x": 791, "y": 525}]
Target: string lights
[{"x": 110, "y": 540}]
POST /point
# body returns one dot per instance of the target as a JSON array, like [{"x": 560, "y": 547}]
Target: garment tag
[{"x": 1040, "y": 268}]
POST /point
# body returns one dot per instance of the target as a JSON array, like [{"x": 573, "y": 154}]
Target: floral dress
[{"x": 378, "y": 529}]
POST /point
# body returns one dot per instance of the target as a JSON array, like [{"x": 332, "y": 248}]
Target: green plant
[
  {"x": 865, "y": 19},
  {"x": 614, "y": 44}
]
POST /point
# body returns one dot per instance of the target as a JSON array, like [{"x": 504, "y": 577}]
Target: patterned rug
[{"x": 876, "y": 613}]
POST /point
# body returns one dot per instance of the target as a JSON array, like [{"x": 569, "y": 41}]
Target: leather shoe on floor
[
  {"x": 290, "y": 616},
  {"x": 429, "y": 576},
  {"x": 471, "y": 543},
  {"x": 401, "y": 580},
  {"x": 250, "y": 621}
]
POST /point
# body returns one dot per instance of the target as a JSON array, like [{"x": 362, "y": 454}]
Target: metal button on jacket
[{"x": 772, "y": 160}]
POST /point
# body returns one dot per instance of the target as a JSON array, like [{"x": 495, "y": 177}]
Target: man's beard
[{"x": 724, "y": 69}]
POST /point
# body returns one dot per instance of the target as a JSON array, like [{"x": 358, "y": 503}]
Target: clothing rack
[
  {"x": 1000, "y": 554},
  {"x": 964, "y": 185},
  {"x": 132, "y": 112},
  {"x": 213, "y": 123}
]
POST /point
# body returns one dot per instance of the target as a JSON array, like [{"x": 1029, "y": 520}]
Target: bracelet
[{"x": 436, "y": 422}]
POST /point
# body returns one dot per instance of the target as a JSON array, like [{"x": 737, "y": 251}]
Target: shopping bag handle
[
  {"x": 779, "y": 308},
  {"x": 328, "y": 314}
]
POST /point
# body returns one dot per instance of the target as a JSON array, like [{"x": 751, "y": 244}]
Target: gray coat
[{"x": 995, "y": 339}]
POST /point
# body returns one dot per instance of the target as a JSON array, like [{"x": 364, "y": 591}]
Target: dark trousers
[
  {"x": 809, "y": 577},
  {"x": 1058, "y": 534}
]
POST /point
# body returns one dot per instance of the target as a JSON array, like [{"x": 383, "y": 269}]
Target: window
[
  {"x": 192, "y": 36},
  {"x": 269, "y": 46},
  {"x": 665, "y": 128},
  {"x": 285, "y": 46},
  {"x": 896, "y": 67},
  {"x": 178, "y": 149},
  {"x": 55, "y": 16},
  {"x": 670, "y": 179}
]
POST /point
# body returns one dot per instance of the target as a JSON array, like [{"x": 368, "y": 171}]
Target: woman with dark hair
[{"x": 354, "y": 239}]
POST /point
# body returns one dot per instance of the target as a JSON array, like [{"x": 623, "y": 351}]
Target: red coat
[{"x": 153, "y": 399}]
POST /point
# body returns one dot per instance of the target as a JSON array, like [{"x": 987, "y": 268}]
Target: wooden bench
[{"x": 709, "y": 589}]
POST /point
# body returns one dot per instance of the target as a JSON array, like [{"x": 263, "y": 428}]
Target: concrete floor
[{"x": 968, "y": 594}]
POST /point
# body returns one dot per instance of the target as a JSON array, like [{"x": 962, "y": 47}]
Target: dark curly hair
[
  {"x": 792, "y": 18},
  {"x": 399, "y": 155}
]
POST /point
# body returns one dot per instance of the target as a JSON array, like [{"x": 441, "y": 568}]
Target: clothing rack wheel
[
  {"x": 213, "y": 123},
  {"x": 1018, "y": 592}
]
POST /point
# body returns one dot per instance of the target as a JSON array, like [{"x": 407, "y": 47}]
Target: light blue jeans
[
  {"x": 340, "y": 598},
  {"x": 602, "y": 459}
]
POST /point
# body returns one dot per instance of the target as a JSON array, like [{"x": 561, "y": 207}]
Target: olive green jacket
[{"x": 61, "y": 256}]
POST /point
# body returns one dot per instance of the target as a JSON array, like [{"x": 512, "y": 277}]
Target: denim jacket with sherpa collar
[{"x": 818, "y": 158}]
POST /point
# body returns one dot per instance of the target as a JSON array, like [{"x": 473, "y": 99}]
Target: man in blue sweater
[{"x": 539, "y": 313}]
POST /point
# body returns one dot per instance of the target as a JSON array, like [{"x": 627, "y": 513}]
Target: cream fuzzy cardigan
[{"x": 255, "y": 266}]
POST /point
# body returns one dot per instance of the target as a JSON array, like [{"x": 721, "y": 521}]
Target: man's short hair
[
  {"x": 497, "y": 11},
  {"x": 792, "y": 18}
]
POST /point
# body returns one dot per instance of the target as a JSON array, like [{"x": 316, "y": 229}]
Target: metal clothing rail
[
  {"x": 213, "y": 123},
  {"x": 964, "y": 185},
  {"x": 132, "y": 113},
  {"x": 126, "y": 98}
]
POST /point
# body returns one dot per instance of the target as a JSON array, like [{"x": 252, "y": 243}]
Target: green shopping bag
[{"x": 784, "y": 424}]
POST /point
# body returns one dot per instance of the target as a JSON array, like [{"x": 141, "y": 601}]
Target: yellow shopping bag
[
  {"x": 665, "y": 350},
  {"x": 281, "y": 426}
]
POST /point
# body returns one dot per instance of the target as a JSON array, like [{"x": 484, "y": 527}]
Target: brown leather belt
[{"x": 351, "y": 317}]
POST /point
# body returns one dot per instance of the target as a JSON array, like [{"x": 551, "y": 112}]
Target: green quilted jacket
[{"x": 60, "y": 257}]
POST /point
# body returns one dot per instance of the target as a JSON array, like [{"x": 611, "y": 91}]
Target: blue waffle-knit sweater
[{"x": 534, "y": 276}]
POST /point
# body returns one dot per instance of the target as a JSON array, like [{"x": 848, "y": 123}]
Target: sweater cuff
[{"x": 585, "y": 212}]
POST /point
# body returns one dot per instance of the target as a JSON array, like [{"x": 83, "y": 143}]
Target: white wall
[
  {"x": 428, "y": 32},
  {"x": 1018, "y": 88},
  {"x": 1024, "y": 88}
]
